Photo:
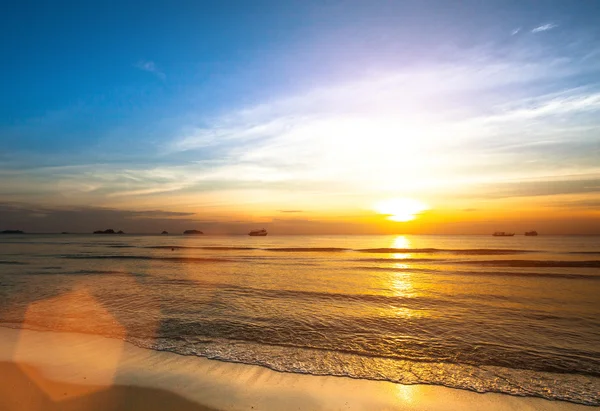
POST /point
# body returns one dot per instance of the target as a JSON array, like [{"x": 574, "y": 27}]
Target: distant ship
[
  {"x": 258, "y": 233},
  {"x": 531, "y": 233},
  {"x": 503, "y": 234}
]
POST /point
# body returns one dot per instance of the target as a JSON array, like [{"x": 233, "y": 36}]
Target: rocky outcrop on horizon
[
  {"x": 192, "y": 232},
  {"x": 108, "y": 231}
]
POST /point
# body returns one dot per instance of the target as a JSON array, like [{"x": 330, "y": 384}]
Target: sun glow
[
  {"x": 401, "y": 209},
  {"x": 401, "y": 242}
]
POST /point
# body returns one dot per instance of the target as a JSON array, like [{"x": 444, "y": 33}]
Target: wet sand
[
  {"x": 19, "y": 392},
  {"x": 66, "y": 371}
]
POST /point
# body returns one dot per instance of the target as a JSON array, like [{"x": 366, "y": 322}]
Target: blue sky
[{"x": 234, "y": 111}]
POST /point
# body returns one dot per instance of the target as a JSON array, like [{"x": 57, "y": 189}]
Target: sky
[{"x": 303, "y": 117}]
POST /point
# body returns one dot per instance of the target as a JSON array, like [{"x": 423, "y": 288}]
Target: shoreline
[{"x": 55, "y": 370}]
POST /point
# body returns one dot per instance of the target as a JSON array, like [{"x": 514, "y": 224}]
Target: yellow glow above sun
[{"x": 401, "y": 209}]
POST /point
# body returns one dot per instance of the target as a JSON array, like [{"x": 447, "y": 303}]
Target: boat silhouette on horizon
[
  {"x": 258, "y": 233},
  {"x": 503, "y": 234}
]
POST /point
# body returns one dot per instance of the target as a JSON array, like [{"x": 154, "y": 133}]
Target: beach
[
  {"x": 300, "y": 322},
  {"x": 67, "y": 371},
  {"x": 300, "y": 205}
]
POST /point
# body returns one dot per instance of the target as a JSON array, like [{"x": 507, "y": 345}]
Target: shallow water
[{"x": 518, "y": 315}]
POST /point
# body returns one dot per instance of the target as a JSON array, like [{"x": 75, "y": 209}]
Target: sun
[{"x": 401, "y": 209}]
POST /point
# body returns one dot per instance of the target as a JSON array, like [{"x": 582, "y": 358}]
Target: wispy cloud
[
  {"x": 32, "y": 218},
  {"x": 147, "y": 191},
  {"x": 544, "y": 27},
  {"x": 416, "y": 129},
  {"x": 327, "y": 134},
  {"x": 150, "y": 67},
  {"x": 576, "y": 100},
  {"x": 515, "y": 31},
  {"x": 587, "y": 184}
]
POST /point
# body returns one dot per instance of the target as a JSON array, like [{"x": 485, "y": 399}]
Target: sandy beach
[
  {"x": 300, "y": 205},
  {"x": 67, "y": 371}
]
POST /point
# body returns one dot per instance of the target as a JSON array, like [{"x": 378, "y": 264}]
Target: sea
[{"x": 516, "y": 315}]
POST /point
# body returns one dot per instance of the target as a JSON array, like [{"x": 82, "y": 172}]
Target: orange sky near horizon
[{"x": 307, "y": 126}]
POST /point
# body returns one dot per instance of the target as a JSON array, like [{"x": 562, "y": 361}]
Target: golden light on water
[
  {"x": 401, "y": 284},
  {"x": 401, "y": 243},
  {"x": 401, "y": 209}
]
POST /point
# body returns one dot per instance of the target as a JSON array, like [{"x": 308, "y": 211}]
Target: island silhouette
[
  {"x": 12, "y": 232},
  {"x": 192, "y": 232},
  {"x": 108, "y": 231}
]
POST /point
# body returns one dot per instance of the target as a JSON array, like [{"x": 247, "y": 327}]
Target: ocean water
[{"x": 517, "y": 315}]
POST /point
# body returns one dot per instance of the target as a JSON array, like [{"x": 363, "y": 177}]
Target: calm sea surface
[{"x": 518, "y": 315}]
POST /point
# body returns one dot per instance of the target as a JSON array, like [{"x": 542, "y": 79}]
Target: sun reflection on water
[
  {"x": 401, "y": 243},
  {"x": 401, "y": 284}
]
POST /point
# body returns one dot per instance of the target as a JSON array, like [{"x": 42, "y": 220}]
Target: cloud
[
  {"x": 572, "y": 185},
  {"x": 411, "y": 131},
  {"x": 33, "y": 218},
  {"x": 290, "y": 211},
  {"x": 392, "y": 119},
  {"x": 353, "y": 137},
  {"x": 88, "y": 219},
  {"x": 566, "y": 102},
  {"x": 159, "y": 214},
  {"x": 150, "y": 66},
  {"x": 146, "y": 191},
  {"x": 515, "y": 31},
  {"x": 544, "y": 27}
]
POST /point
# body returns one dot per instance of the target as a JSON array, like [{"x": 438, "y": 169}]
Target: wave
[
  {"x": 481, "y": 273},
  {"x": 181, "y": 247},
  {"x": 534, "y": 263},
  {"x": 401, "y": 260},
  {"x": 203, "y": 339},
  {"x": 82, "y": 273},
  {"x": 489, "y": 263},
  {"x": 225, "y": 248},
  {"x": 578, "y": 389},
  {"x": 309, "y": 249},
  {"x": 145, "y": 257},
  {"x": 101, "y": 272},
  {"x": 467, "y": 251},
  {"x": 473, "y": 251}
]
